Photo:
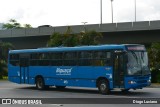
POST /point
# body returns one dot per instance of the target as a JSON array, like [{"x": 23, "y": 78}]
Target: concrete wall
[
  {"x": 129, "y": 32},
  {"x": 109, "y": 27},
  {"x": 125, "y": 37}
]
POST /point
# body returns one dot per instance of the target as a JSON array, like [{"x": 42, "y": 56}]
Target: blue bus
[{"x": 106, "y": 67}]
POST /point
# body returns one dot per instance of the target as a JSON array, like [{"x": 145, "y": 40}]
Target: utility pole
[
  {"x": 100, "y": 11},
  {"x": 112, "y": 9}
]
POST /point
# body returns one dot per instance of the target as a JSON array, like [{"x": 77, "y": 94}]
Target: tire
[
  {"x": 60, "y": 87},
  {"x": 103, "y": 87},
  {"x": 40, "y": 85}
]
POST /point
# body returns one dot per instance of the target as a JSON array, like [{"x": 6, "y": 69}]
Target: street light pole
[
  {"x": 112, "y": 9},
  {"x": 135, "y": 10},
  {"x": 100, "y": 11},
  {"x": 84, "y": 26}
]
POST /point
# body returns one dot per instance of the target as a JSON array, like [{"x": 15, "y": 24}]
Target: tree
[
  {"x": 3, "y": 69},
  {"x": 90, "y": 37},
  {"x": 4, "y": 49},
  {"x": 154, "y": 60},
  {"x": 14, "y": 24},
  {"x": 70, "y": 39},
  {"x": 27, "y": 26},
  {"x": 67, "y": 39},
  {"x": 56, "y": 39}
]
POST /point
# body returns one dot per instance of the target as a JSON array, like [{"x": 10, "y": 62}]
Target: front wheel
[
  {"x": 103, "y": 86},
  {"x": 40, "y": 85}
]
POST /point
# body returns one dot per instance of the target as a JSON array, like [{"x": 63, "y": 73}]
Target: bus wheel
[
  {"x": 40, "y": 83},
  {"x": 103, "y": 86},
  {"x": 60, "y": 87}
]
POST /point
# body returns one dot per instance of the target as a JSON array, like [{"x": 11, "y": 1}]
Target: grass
[{"x": 4, "y": 78}]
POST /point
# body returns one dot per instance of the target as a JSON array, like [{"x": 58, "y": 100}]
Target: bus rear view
[{"x": 106, "y": 67}]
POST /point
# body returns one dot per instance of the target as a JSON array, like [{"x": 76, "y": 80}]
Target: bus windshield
[{"x": 137, "y": 63}]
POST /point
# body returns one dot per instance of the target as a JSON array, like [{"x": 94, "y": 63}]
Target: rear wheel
[
  {"x": 103, "y": 86},
  {"x": 40, "y": 85}
]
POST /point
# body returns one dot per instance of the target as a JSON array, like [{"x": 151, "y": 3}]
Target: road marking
[{"x": 56, "y": 104}]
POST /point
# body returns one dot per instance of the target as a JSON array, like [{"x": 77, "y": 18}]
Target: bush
[
  {"x": 155, "y": 74},
  {"x": 3, "y": 69}
]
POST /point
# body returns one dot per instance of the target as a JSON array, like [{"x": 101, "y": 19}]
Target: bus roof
[{"x": 76, "y": 48}]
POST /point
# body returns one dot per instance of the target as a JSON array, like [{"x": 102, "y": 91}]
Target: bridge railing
[{"x": 108, "y": 27}]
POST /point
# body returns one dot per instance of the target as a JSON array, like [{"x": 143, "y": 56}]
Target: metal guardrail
[{"x": 109, "y": 27}]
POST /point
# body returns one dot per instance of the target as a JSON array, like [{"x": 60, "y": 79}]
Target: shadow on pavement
[{"x": 130, "y": 93}]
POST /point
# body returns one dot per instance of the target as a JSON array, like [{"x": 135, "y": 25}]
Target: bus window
[
  {"x": 34, "y": 59},
  {"x": 85, "y": 58},
  {"x": 101, "y": 58},
  {"x": 70, "y": 59},
  {"x": 56, "y": 59},
  {"x": 44, "y": 59},
  {"x": 14, "y": 59}
]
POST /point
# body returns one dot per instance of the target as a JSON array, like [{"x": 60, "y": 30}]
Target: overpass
[{"x": 126, "y": 32}]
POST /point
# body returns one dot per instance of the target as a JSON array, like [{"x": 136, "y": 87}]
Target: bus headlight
[
  {"x": 149, "y": 80},
  {"x": 131, "y": 82}
]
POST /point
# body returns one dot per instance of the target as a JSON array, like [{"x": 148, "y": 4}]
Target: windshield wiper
[
  {"x": 142, "y": 56},
  {"x": 135, "y": 56}
]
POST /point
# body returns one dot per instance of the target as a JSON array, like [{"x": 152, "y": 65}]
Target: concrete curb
[{"x": 154, "y": 85}]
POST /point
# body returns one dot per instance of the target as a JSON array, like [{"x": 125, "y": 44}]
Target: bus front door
[
  {"x": 118, "y": 78},
  {"x": 24, "y": 70}
]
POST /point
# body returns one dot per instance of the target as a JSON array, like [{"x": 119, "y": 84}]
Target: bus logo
[
  {"x": 60, "y": 71},
  {"x": 6, "y": 101}
]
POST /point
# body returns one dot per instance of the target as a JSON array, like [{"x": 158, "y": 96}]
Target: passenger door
[
  {"x": 24, "y": 69},
  {"x": 119, "y": 70}
]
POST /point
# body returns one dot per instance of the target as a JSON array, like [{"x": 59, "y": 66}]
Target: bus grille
[
  {"x": 142, "y": 81},
  {"x": 141, "y": 78}
]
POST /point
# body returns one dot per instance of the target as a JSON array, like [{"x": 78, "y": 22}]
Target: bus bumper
[{"x": 137, "y": 82}]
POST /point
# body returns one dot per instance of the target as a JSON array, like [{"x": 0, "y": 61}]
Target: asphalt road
[{"x": 12, "y": 90}]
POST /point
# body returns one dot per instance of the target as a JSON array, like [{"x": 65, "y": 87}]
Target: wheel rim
[
  {"x": 103, "y": 87},
  {"x": 39, "y": 83}
]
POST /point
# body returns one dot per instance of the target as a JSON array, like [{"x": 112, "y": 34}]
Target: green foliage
[
  {"x": 4, "y": 48},
  {"x": 56, "y": 39},
  {"x": 70, "y": 39},
  {"x": 12, "y": 24},
  {"x": 27, "y": 26},
  {"x": 154, "y": 60},
  {"x": 3, "y": 69},
  {"x": 90, "y": 38},
  {"x": 154, "y": 55}
]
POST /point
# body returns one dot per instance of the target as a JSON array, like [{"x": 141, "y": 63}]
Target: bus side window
[
  {"x": 44, "y": 59},
  {"x": 14, "y": 59},
  {"x": 85, "y": 58},
  {"x": 70, "y": 59},
  {"x": 108, "y": 59},
  {"x": 56, "y": 58},
  {"x": 101, "y": 58},
  {"x": 34, "y": 59}
]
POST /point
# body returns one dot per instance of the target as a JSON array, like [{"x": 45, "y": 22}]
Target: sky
[{"x": 74, "y": 12}]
